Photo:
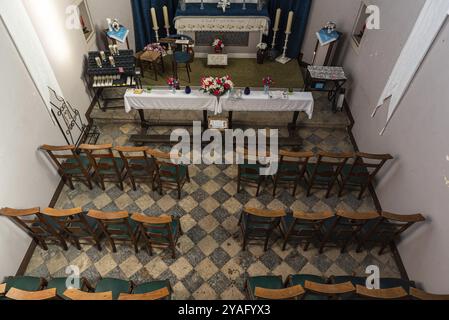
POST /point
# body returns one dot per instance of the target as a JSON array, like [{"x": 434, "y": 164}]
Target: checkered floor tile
[{"x": 210, "y": 263}]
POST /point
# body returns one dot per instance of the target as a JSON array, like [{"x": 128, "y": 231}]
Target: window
[
  {"x": 360, "y": 26},
  {"x": 85, "y": 20}
]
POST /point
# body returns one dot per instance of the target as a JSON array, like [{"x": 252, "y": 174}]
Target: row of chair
[
  {"x": 135, "y": 163},
  {"x": 33, "y": 288},
  {"x": 75, "y": 226},
  {"x": 348, "y": 170},
  {"x": 325, "y": 228},
  {"x": 312, "y": 287}
]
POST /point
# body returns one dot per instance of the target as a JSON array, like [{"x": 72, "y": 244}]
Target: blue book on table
[
  {"x": 119, "y": 35},
  {"x": 325, "y": 38}
]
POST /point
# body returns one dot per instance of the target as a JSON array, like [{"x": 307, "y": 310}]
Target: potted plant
[
  {"x": 218, "y": 45},
  {"x": 216, "y": 86},
  {"x": 261, "y": 52}
]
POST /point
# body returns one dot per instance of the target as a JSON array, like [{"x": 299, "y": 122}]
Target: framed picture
[
  {"x": 219, "y": 123},
  {"x": 86, "y": 24}
]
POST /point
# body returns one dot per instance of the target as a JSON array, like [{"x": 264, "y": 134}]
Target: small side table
[
  {"x": 217, "y": 60},
  {"x": 154, "y": 58}
]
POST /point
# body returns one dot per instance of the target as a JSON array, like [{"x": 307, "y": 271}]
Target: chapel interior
[{"x": 224, "y": 150}]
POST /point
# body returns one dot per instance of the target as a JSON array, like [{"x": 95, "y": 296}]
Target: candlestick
[
  {"x": 111, "y": 49},
  {"x": 244, "y": 5},
  {"x": 112, "y": 61},
  {"x": 277, "y": 20},
  {"x": 98, "y": 60},
  {"x": 289, "y": 22},
  {"x": 202, "y": 5},
  {"x": 283, "y": 58},
  {"x": 103, "y": 55},
  {"x": 154, "y": 19},
  {"x": 156, "y": 32},
  {"x": 116, "y": 50}
]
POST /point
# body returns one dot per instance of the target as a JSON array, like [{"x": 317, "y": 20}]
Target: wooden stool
[{"x": 153, "y": 58}]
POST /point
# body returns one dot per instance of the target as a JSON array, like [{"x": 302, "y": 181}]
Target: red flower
[
  {"x": 217, "y": 93},
  {"x": 227, "y": 86}
]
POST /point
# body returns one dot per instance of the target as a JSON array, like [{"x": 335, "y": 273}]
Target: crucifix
[{"x": 224, "y": 4}]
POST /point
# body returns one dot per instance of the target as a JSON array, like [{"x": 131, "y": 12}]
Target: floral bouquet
[
  {"x": 156, "y": 47},
  {"x": 173, "y": 83},
  {"x": 216, "y": 86},
  {"x": 267, "y": 81},
  {"x": 218, "y": 45},
  {"x": 262, "y": 46}
]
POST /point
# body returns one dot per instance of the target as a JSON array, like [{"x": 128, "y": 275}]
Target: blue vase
[
  {"x": 188, "y": 90},
  {"x": 247, "y": 91}
]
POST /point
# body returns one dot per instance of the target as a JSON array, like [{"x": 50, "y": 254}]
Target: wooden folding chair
[
  {"x": 390, "y": 227},
  {"x": 300, "y": 280},
  {"x": 329, "y": 291},
  {"x": 422, "y": 295},
  {"x": 116, "y": 286},
  {"x": 257, "y": 224},
  {"x": 17, "y": 294},
  {"x": 292, "y": 169},
  {"x": 397, "y": 293},
  {"x": 117, "y": 227},
  {"x": 168, "y": 174},
  {"x": 346, "y": 227},
  {"x": 70, "y": 165},
  {"x": 265, "y": 282},
  {"x": 324, "y": 174},
  {"x": 304, "y": 227},
  {"x": 249, "y": 171},
  {"x": 36, "y": 226},
  {"x": 78, "y": 295},
  {"x": 154, "y": 290},
  {"x": 108, "y": 168},
  {"x": 76, "y": 226},
  {"x": 291, "y": 293},
  {"x": 138, "y": 165},
  {"x": 362, "y": 172},
  {"x": 163, "y": 231}
]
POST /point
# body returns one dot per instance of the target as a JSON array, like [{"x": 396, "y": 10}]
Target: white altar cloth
[
  {"x": 260, "y": 102},
  {"x": 161, "y": 99}
]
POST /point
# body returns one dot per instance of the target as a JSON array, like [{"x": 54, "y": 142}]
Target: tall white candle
[
  {"x": 289, "y": 22},
  {"x": 154, "y": 18},
  {"x": 166, "y": 18},
  {"x": 277, "y": 20}
]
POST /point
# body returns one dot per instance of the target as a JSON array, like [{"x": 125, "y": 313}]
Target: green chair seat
[
  {"x": 322, "y": 168},
  {"x": 290, "y": 168},
  {"x": 84, "y": 161},
  {"x": 117, "y": 287},
  {"x": 266, "y": 282},
  {"x": 172, "y": 172},
  {"x": 300, "y": 279},
  {"x": 388, "y": 283},
  {"x": 357, "y": 170},
  {"x": 23, "y": 283},
  {"x": 151, "y": 286},
  {"x": 60, "y": 285},
  {"x": 174, "y": 228},
  {"x": 251, "y": 167},
  {"x": 354, "y": 280},
  {"x": 143, "y": 164},
  {"x": 118, "y": 161},
  {"x": 121, "y": 227}
]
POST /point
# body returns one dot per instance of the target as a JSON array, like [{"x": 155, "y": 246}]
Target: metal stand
[
  {"x": 202, "y": 5},
  {"x": 284, "y": 59}
]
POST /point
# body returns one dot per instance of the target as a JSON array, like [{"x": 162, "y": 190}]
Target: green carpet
[{"x": 244, "y": 72}]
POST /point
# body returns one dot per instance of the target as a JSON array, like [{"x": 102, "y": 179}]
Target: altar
[{"x": 241, "y": 30}]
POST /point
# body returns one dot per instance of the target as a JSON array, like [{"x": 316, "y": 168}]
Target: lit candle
[
  {"x": 98, "y": 60},
  {"x": 112, "y": 61},
  {"x": 103, "y": 55},
  {"x": 111, "y": 49},
  {"x": 289, "y": 22},
  {"x": 154, "y": 18},
  {"x": 115, "y": 49},
  {"x": 277, "y": 20},
  {"x": 166, "y": 18}
]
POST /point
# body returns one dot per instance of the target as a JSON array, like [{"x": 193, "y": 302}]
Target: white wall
[
  {"x": 416, "y": 137},
  {"x": 118, "y": 9},
  {"x": 66, "y": 49},
  {"x": 26, "y": 180}
]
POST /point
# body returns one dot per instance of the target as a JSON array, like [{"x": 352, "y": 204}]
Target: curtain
[
  {"x": 301, "y": 9},
  {"x": 143, "y": 25}
]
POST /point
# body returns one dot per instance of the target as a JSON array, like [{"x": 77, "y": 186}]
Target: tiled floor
[{"x": 210, "y": 262}]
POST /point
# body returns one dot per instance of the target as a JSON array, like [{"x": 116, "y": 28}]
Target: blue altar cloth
[{"x": 210, "y": 9}]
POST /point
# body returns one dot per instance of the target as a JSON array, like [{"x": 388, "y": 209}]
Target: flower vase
[
  {"x": 218, "y": 50},
  {"x": 266, "y": 89},
  {"x": 173, "y": 89}
]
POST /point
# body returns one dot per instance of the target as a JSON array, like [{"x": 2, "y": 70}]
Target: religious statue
[{"x": 224, "y": 4}]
